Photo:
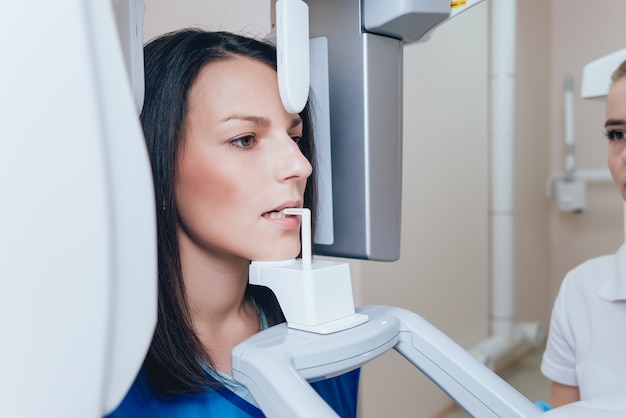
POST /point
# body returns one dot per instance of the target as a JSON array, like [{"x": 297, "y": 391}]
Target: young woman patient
[{"x": 226, "y": 159}]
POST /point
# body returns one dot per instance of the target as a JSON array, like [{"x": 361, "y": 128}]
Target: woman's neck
[{"x": 215, "y": 289}]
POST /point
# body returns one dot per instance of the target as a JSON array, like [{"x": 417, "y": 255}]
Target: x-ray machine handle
[{"x": 276, "y": 364}]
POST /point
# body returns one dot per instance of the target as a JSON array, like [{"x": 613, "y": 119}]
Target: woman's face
[
  {"x": 239, "y": 164},
  {"x": 615, "y": 127}
]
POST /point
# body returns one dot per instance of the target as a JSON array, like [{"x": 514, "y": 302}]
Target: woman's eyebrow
[
  {"x": 614, "y": 122},
  {"x": 257, "y": 120},
  {"x": 260, "y": 120}
]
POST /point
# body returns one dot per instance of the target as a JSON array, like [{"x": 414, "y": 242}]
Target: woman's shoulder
[
  {"x": 141, "y": 402},
  {"x": 137, "y": 401},
  {"x": 340, "y": 392}
]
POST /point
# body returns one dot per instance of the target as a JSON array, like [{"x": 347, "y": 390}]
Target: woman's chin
[{"x": 278, "y": 254}]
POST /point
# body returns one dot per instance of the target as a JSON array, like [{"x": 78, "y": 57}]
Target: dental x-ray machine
[
  {"x": 362, "y": 45},
  {"x": 77, "y": 230}
]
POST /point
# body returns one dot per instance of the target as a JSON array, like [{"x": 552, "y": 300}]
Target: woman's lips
[{"x": 282, "y": 220}]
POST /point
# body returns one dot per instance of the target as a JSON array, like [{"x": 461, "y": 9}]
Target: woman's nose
[{"x": 292, "y": 164}]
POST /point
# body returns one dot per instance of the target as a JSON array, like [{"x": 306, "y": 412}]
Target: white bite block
[{"x": 317, "y": 299}]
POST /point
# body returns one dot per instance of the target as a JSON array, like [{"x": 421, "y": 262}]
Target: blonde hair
[{"x": 619, "y": 72}]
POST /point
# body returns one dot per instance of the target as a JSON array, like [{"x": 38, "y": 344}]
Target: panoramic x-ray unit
[
  {"x": 78, "y": 250},
  {"x": 77, "y": 225},
  {"x": 358, "y": 47}
]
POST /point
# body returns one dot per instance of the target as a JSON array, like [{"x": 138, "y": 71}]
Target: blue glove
[{"x": 543, "y": 405}]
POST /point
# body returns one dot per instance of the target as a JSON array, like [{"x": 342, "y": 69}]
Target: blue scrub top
[{"x": 339, "y": 392}]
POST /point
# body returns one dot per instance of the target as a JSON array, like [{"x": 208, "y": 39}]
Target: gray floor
[{"x": 524, "y": 376}]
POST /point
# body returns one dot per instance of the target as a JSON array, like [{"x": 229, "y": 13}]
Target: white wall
[
  {"x": 442, "y": 272},
  {"x": 250, "y": 17}
]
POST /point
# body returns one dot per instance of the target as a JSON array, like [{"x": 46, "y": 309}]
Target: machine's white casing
[{"x": 77, "y": 224}]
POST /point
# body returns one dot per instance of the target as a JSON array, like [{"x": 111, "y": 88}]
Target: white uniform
[{"x": 587, "y": 340}]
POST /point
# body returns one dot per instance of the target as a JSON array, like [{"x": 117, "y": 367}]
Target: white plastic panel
[
  {"x": 55, "y": 218},
  {"x": 77, "y": 231},
  {"x": 134, "y": 293}
]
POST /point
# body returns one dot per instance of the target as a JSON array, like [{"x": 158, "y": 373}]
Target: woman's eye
[
  {"x": 245, "y": 142},
  {"x": 296, "y": 138},
  {"x": 615, "y": 135}
]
